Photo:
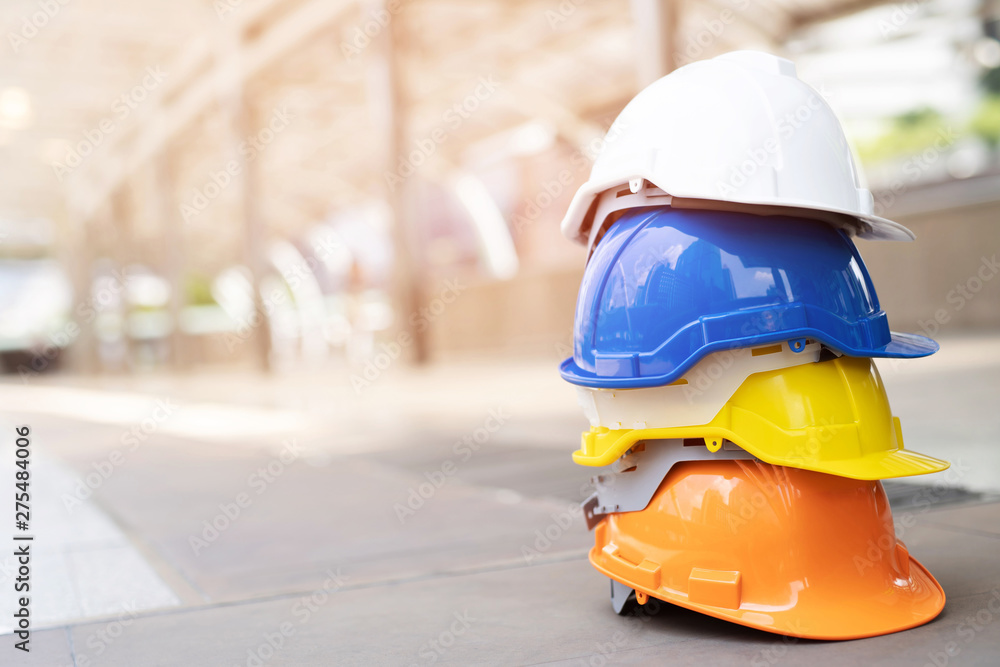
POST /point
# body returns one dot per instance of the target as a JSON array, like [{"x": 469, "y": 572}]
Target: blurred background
[
  {"x": 170, "y": 169},
  {"x": 336, "y": 222}
]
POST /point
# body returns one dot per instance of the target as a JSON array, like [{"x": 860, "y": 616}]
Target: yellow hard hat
[
  {"x": 830, "y": 416},
  {"x": 779, "y": 549}
]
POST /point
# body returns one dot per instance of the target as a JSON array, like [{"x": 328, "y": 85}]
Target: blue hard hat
[{"x": 667, "y": 286}]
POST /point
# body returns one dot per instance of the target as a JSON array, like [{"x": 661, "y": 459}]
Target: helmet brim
[
  {"x": 908, "y": 346},
  {"x": 576, "y": 225},
  {"x": 886, "y": 464},
  {"x": 883, "y": 229},
  {"x": 890, "y": 613},
  {"x": 901, "y": 346},
  {"x": 880, "y": 465}
]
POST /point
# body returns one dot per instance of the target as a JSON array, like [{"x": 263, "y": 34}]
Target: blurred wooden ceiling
[{"x": 568, "y": 63}]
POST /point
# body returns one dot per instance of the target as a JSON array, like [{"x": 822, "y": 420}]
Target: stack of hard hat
[{"x": 723, "y": 348}]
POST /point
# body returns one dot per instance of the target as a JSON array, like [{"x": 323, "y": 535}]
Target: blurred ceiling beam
[
  {"x": 196, "y": 94},
  {"x": 191, "y": 90},
  {"x": 804, "y": 19}
]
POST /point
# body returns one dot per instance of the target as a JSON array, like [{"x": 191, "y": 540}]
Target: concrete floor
[{"x": 321, "y": 565}]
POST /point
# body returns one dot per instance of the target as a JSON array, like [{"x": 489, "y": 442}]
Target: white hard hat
[{"x": 739, "y": 131}]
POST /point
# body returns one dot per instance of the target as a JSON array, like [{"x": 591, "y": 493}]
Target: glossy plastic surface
[
  {"x": 665, "y": 287},
  {"x": 831, "y": 417},
  {"x": 633, "y": 479},
  {"x": 783, "y": 550},
  {"x": 740, "y": 128}
]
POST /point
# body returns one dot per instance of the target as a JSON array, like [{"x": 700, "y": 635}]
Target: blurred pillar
[
  {"x": 79, "y": 252},
  {"x": 122, "y": 253},
  {"x": 164, "y": 185},
  {"x": 255, "y": 238},
  {"x": 387, "y": 100},
  {"x": 242, "y": 122},
  {"x": 656, "y": 25}
]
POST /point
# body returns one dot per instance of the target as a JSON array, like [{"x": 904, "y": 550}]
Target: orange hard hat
[{"x": 780, "y": 549}]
